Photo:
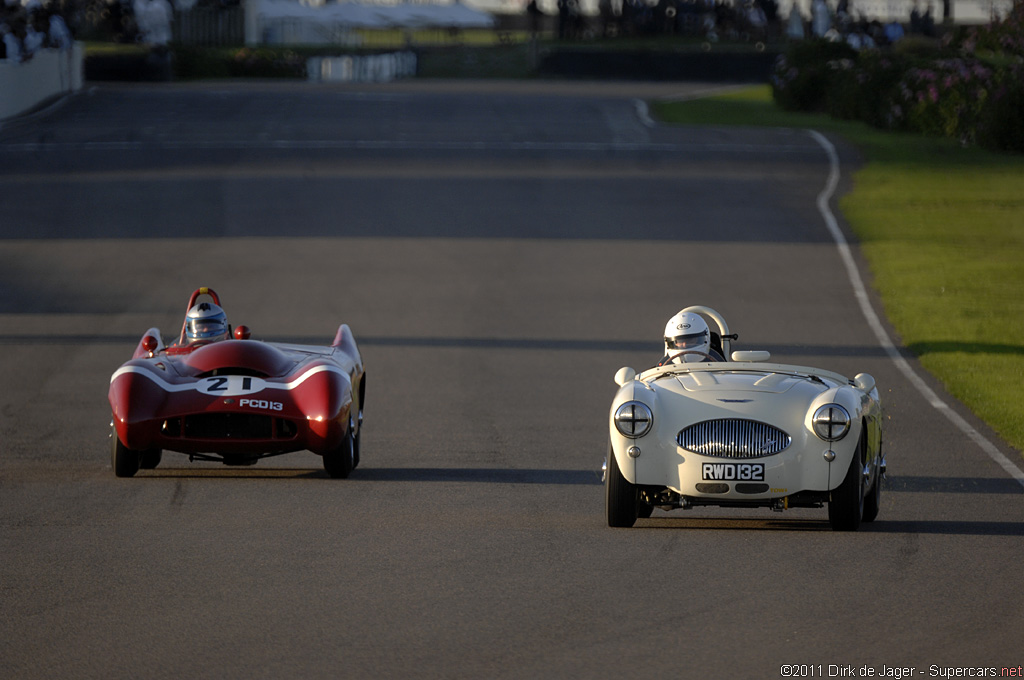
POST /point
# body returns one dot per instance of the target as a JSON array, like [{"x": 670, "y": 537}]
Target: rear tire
[
  {"x": 125, "y": 461},
  {"x": 846, "y": 506},
  {"x": 340, "y": 461},
  {"x": 621, "y": 497}
]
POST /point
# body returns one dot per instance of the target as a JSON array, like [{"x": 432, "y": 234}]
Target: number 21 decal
[{"x": 230, "y": 385}]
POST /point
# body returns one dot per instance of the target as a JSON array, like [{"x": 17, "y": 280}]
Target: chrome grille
[{"x": 733, "y": 438}]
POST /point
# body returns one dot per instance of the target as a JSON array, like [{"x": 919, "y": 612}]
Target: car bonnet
[{"x": 737, "y": 381}]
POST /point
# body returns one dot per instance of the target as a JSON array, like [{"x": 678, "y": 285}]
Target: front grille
[
  {"x": 230, "y": 426},
  {"x": 733, "y": 438}
]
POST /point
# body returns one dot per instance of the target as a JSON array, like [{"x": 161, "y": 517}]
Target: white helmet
[
  {"x": 206, "y": 321},
  {"x": 687, "y": 331}
]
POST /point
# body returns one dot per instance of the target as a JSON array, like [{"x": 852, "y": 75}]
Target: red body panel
[{"x": 238, "y": 397}]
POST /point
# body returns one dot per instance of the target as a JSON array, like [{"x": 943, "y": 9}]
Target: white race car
[{"x": 743, "y": 433}]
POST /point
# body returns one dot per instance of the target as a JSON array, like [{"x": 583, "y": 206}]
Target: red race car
[{"x": 216, "y": 395}]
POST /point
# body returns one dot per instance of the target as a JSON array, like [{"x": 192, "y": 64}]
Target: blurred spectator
[
  {"x": 928, "y": 21},
  {"x": 12, "y": 28},
  {"x": 12, "y": 46},
  {"x": 563, "y": 19},
  {"x": 757, "y": 21},
  {"x": 60, "y": 36},
  {"x": 821, "y": 18},
  {"x": 154, "y": 20},
  {"x": 893, "y": 31},
  {"x": 859, "y": 40},
  {"x": 795, "y": 23},
  {"x": 33, "y": 40},
  {"x": 536, "y": 14}
]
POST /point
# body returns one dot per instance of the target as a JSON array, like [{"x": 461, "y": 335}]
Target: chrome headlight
[
  {"x": 831, "y": 422},
  {"x": 633, "y": 419}
]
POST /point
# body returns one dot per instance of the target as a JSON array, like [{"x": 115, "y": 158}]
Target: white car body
[{"x": 742, "y": 433}]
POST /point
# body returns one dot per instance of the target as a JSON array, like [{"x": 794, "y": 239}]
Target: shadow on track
[{"x": 370, "y": 474}]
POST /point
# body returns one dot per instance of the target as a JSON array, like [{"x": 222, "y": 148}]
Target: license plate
[{"x": 733, "y": 472}]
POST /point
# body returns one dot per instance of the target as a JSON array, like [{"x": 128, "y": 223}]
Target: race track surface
[{"x": 499, "y": 250}]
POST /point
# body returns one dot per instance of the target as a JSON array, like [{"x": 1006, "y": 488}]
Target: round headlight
[
  {"x": 831, "y": 422},
  {"x": 633, "y": 419}
]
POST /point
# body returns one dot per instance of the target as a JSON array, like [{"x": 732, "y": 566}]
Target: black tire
[
  {"x": 125, "y": 461},
  {"x": 621, "y": 498},
  {"x": 643, "y": 510},
  {"x": 340, "y": 461},
  {"x": 846, "y": 505},
  {"x": 356, "y": 446},
  {"x": 873, "y": 501},
  {"x": 149, "y": 459},
  {"x": 355, "y": 450}
]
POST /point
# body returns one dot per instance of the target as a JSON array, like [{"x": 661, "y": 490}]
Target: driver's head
[
  {"x": 207, "y": 322},
  {"x": 687, "y": 332}
]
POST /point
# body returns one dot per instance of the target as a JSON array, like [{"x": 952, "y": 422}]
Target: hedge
[{"x": 968, "y": 86}]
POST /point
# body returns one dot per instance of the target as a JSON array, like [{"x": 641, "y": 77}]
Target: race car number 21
[
  {"x": 230, "y": 385},
  {"x": 733, "y": 472}
]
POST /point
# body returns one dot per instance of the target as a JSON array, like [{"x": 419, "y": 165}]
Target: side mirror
[
  {"x": 624, "y": 375},
  {"x": 751, "y": 355},
  {"x": 149, "y": 343},
  {"x": 864, "y": 382}
]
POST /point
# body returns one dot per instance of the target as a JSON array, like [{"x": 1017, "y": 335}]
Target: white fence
[
  {"x": 371, "y": 68},
  {"x": 218, "y": 27},
  {"x": 49, "y": 73}
]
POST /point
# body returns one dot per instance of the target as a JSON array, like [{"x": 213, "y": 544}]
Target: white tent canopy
[{"x": 355, "y": 15}]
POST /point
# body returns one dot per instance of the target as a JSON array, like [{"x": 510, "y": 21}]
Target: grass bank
[{"x": 942, "y": 228}]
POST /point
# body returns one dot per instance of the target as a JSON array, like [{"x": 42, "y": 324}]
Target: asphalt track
[{"x": 499, "y": 251}]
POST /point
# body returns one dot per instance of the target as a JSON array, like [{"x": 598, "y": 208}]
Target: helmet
[
  {"x": 206, "y": 321},
  {"x": 687, "y": 331}
]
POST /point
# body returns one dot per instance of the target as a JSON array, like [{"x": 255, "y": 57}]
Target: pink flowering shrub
[
  {"x": 864, "y": 89},
  {"x": 1005, "y": 36},
  {"x": 969, "y": 88},
  {"x": 946, "y": 98}
]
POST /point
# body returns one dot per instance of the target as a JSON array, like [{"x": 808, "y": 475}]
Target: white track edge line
[
  {"x": 860, "y": 292},
  {"x": 643, "y": 113}
]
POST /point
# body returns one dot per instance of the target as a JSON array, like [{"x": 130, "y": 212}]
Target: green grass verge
[{"x": 942, "y": 228}]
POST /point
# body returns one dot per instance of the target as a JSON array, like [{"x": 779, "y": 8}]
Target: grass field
[{"x": 942, "y": 228}]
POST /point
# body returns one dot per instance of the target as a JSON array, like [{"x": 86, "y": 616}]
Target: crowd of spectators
[
  {"x": 26, "y": 28},
  {"x": 842, "y": 24},
  {"x": 747, "y": 20}
]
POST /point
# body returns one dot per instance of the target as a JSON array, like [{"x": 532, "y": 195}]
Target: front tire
[
  {"x": 149, "y": 459},
  {"x": 873, "y": 501},
  {"x": 340, "y": 461},
  {"x": 621, "y": 497},
  {"x": 125, "y": 461},
  {"x": 355, "y": 442},
  {"x": 846, "y": 506}
]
